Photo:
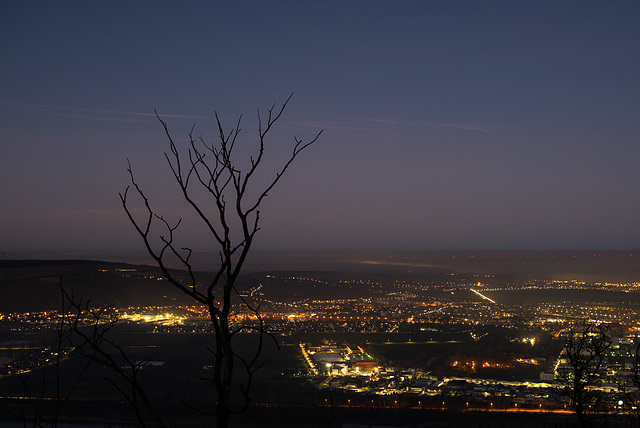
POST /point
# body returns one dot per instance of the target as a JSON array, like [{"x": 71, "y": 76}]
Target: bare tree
[
  {"x": 52, "y": 389},
  {"x": 583, "y": 355},
  {"x": 631, "y": 390},
  {"x": 83, "y": 329},
  {"x": 88, "y": 329},
  {"x": 236, "y": 196}
]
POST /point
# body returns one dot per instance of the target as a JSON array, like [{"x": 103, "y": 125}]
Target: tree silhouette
[
  {"x": 87, "y": 332},
  {"x": 236, "y": 196},
  {"x": 583, "y": 356},
  {"x": 631, "y": 390}
]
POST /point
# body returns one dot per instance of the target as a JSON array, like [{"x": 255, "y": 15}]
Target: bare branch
[
  {"x": 211, "y": 168},
  {"x": 584, "y": 354}
]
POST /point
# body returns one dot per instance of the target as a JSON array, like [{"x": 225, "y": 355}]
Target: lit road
[{"x": 483, "y": 296}]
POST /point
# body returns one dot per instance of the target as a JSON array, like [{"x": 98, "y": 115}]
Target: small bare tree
[
  {"x": 52, "y": 389},
  {"x": 88, "y": 333},
  {"x": 584, "y": 355},
  {"x": 631, "y": 402},
  {"x": 232, "y": 224}
]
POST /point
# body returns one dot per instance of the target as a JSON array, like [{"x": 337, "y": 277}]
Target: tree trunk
[{"x": 225, "y": 357}]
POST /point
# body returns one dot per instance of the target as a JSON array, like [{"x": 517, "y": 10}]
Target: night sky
[{"x": 447, "y": 124}]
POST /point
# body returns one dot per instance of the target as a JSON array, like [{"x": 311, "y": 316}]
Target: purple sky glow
[{"x": 447, "y": 125}]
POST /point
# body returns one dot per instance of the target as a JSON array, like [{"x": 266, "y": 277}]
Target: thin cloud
[
  {"x": 88, "y": 113},
  {"x": 387, "y": 263},
  {"x": 129, "y": 116},
  {"x": 467, "y": 126},
  {"x": 382, "y": 125},
  {"x": 470, "y": 127},
  {"x": 332, "y": 127}
]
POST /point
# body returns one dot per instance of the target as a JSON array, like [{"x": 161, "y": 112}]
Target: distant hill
[{"x": 34, "y": 285}]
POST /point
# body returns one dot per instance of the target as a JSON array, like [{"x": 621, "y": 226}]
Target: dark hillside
[{"x": 33, "y": 285}]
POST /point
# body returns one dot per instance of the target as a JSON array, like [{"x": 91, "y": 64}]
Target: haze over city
[{"x": 447, "y": 125}]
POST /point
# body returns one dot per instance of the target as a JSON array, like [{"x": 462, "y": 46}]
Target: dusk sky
[{"x": 447, "y": 124}]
